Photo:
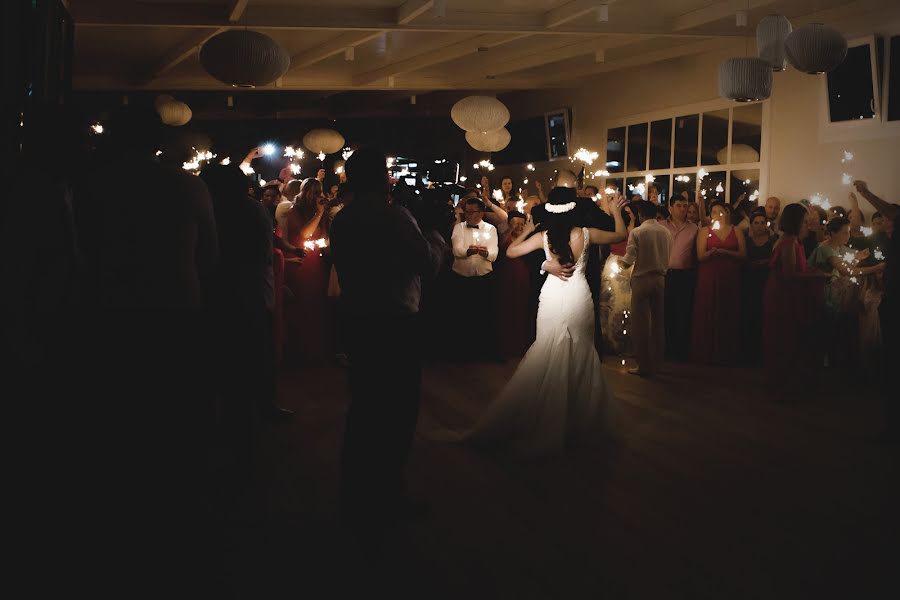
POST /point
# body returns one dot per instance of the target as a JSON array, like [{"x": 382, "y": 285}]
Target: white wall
[{"x": 802, "y": 160}]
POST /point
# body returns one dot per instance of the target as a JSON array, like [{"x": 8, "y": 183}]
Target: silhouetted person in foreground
[
  {"x": 381, "y": 257},
  {"x": 148, "y": 243}
]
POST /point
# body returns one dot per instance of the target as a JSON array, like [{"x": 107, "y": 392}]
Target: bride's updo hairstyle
[{"x": 560, "y": 224}]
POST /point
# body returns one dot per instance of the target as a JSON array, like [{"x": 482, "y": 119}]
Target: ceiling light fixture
[
  {"x": 440, "y": 9},
  {"x": 603, "y": 13}
]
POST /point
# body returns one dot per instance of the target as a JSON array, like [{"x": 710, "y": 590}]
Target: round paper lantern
[
  {"x": 172, "y": 112},
  {"x": 492, "y": 141},
  {"x": 815, "y": 48},
  {"x": 771, "y": 33},
  {"x": 162, "y": 99},
  {"x": 479, "y": 113},
  {"x": 244, "y": 58},
  {"x": 740, "y": 153},
  {"x": 326, "y": 141},
  {"x": 745, "y": 79}
]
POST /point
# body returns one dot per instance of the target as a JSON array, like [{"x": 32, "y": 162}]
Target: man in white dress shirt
[
  {"x": 475, "y": 248},
  {"x": 649, "y": 247}
]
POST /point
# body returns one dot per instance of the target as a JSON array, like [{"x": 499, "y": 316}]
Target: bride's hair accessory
[{"x": 559, "y": 208}]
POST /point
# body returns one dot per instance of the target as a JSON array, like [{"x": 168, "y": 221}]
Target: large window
[{"x": 722, "y": 144}]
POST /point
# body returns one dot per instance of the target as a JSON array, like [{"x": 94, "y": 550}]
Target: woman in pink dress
[
  {"x": 307, "y": 313},
  {"x": 717, "y": 297},
  {"x": 791, "y": 301}
]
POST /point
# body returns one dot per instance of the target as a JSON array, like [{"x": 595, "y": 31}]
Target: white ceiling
[{"x": 495, "y": 45}]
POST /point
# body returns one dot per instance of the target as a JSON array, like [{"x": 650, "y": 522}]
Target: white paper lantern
[
  {"x": 480, "y": 113},
  {"x": 771, "y": 33},
  {"x": 324, "y": 141},
  {"x": 815, "y": 48},
  {"x": 740, "y": 153},
  {"x": 172, "y": 112},
  {"x": 745, "y": 79},
  {"x": 244, "y": 58},
  {"x": 492, "y": 141}
]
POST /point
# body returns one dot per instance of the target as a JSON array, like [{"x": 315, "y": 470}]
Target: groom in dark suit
[{"x": 589, "y": 215}]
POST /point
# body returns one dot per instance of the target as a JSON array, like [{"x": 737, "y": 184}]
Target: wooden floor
[{"x": 713, "y": 491}]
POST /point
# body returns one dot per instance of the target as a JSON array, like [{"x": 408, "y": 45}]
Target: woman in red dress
[
  {"x": 791, "y": 298},
  {"x": 307, "y": 314},
  {"x": 513, "y": 289},
  {"x": 717, "y": 298}
]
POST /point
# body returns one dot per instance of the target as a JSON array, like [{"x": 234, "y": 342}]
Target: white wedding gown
[{"x": 558, "y": 394}]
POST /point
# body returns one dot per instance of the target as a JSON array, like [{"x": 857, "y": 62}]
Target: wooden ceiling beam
[
  {"x": 411, "y": 9},
  {"x": 329, "y": 48},
  {"x": 543, "y": 56},
  {"x": 107, "y": 13},
  {"x": 570, "y": 12},
  {"x": 447, "y": 53},
  {"x": 177, "y": 55},
  {"x": 236, "y": 10}
]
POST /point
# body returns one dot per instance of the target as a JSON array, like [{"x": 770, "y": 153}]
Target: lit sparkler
[
  {"x": 97, "y": 128},
  {"x": 866, "y": 231},
  {"x": 848, "y": 156},
  {"x": 585, "y": 156}
]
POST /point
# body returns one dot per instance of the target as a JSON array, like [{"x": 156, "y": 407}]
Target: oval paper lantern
[
  {"x": 479, "y": 113},
  {"x": 745, "y": 79},
  {"x": 771, "y": 33},
  {"x": 815, "y": 48},
  {"x": 244, "y": 58},
  {"x": 162, "y": 99},
  {"x": 740, "y": 153},
  {"x": 492, "y": 141},
  {"x": 326, "y": 141},
  {"x": 173, "y": 112}
]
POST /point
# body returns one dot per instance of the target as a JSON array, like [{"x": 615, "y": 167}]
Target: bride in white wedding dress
[{"x": 558, "y": 394}]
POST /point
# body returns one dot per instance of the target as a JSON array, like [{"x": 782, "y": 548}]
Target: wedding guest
[
  {"x": 842, "y": 292},
  {"x": 680, "y": 280},
  {"x": 773, "y": 210},
  {"x": 693, "y": 213},
  {"x": 513, "y": 285},
  {"x": 271, "y": 196},
  {"x": 308, "y": 311},
  {"x": 381, "y": 292},
  {"x": 889, "y": 312},
  {"x": 243, "y": 307},
  {"x": 815, "y": 222},
  {"x": 717, "y": 299},
  {"x": 288, "y": 193},
  {"x": 759, "y": 241},
  {"x": 649, "y": 249},
  {"x": 475, "y": 248},
  {"x": 790, "y": 297}
]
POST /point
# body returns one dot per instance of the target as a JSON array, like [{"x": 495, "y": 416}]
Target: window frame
[{"x": 691, "y": 109}]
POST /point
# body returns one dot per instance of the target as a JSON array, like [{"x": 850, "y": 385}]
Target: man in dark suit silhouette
[{"x": 381, "y": 257}]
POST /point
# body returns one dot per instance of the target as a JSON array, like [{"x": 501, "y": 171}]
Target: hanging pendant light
[
  {"x": 243, "y": 58},
  {"x": 815, "y": 48},
  {"x": 771, "y": 33},
  {"x": 745, "y": 79},
  {"x": 491, "y": 141},
  {"x": 479, "y": 113}
]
